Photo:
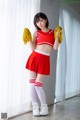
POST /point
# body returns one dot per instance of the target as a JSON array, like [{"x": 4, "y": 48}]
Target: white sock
[
  {"x": 41, "y": 94},
  {"x": 33, "y": 93}
]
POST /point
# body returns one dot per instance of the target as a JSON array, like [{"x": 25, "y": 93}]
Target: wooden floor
[{"x": 66, "y": 110}]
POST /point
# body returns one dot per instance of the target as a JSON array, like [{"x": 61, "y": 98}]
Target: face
[{"x": 41, "y": 23}]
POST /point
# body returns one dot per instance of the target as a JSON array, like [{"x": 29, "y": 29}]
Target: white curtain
[
  {"x": 14, "y": 16},
  {"x": 68, "y": 62}
]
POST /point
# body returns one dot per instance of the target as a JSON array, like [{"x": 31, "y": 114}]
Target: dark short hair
[{"x": 37, "y": 18}]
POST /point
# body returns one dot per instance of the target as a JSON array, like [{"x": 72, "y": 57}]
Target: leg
[
  {"x": 32, "y": 78},
  {"x": 39, "y": 88},
  {"x": 41, "y": 94},
  {"x": 33, "y": 93}
]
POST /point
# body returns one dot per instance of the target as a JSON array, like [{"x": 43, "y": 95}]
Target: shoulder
[
  {"x": 51, "y": 31},
  {"x": 35, "y": 34}
]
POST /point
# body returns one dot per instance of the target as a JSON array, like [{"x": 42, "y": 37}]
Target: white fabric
[
  {"x": 44, "y": 110},
  {"x": 36, "y": 109},
  {"x": 68, "y": 61},
  {"x": 14, "y": 16},
  {"x": 33, "y": 93},
  {"x": 41, "y": 94},
  {"x": 41, "y": 52}
]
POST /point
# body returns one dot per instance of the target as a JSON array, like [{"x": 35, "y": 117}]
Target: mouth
[{"x": 41, "y": 26}]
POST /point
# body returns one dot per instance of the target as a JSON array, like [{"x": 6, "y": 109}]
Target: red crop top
[{"x": 45, "y": 37}]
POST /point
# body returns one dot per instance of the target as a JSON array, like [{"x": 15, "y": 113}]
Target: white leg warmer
[
  {"x": 33, "y": 92},
  {"x": 41, "y": 94}
]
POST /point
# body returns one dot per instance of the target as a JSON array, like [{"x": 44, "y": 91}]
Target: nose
[{"x": 39, "y": 22}]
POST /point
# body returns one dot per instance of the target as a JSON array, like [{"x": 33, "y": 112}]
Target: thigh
[
  {"x": 31, "y": 74},
  {"x": 40, "y": 77}
]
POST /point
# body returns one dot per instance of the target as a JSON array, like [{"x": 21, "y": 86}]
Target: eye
[
  {"x": 37, "y": 22},
  {"x": 41, "y": 20}
]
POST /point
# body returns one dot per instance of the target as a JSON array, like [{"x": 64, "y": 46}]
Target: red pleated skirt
[{"x": 39, "y": 63}]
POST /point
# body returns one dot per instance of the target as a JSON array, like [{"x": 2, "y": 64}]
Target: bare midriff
[{"x": 44, "y": 48}]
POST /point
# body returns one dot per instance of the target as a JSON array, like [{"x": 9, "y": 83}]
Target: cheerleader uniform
[{"x": 39, "y": 61}]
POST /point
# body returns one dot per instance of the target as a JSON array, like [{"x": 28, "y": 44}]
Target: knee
[
  {"x": 32, "y": 80},
  {"x": 38, "y": 84}
]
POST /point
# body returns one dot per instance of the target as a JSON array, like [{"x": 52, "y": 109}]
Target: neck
[{"x": 45, "y": 29}]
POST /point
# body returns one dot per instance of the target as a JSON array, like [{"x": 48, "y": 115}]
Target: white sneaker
[
  {"x": 36, "y": 109},
  {"x": 44, "y": 110}
]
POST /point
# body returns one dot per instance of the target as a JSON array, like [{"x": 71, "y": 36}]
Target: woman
[{"x": 38, "y": 63}]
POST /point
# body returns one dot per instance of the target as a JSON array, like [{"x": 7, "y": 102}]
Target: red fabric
[
  {"x": 38, "y": 84},
  {"x": 38, "y": 63},
  {"x": 32, "y": 80},
  {"x": 45, "y": 37}
]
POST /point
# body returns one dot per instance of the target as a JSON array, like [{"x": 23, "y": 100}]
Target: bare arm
[
  {"x": 56, "y": 43},
  {"x": 32, "y": 43}
]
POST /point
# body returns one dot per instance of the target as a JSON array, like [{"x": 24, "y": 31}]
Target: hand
[
  {"x": 58, "y": 34},
  {"x": 27, "y": 35}
]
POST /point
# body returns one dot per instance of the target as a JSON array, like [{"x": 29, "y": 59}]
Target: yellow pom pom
[
  {"x": 58, "y": 32},
  {"x": 26, "y": 35}
]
